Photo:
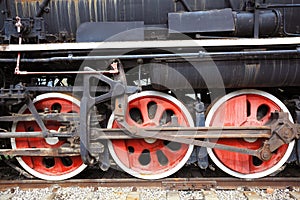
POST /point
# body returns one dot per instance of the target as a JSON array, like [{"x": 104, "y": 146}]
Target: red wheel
[
  {"x": 246, "y": 108},
  {"x": 48, "y": 168},
  {"x": 150, "y": 158}
]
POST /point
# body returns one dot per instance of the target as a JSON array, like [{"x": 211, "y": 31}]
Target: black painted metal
[
  {"x": 32, "y": 28},
  {"x": 199, "y": 55},
  {"x": 185, "y": 5},
  {"x": 201, "y": 21},
  {"x": 246, "y": 73},
  {"x": 114, "y": 31},
  {"x": 65, "y": 17},
  {"x": 242, "y": 24},
  {"x": 266, "y": 25},
  {"x": 88, "y": 102},
  {"x": 43, "y": 8},
  {"x": 201, "y": 152}
]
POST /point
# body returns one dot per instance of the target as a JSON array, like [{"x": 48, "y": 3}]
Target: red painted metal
[
  {"x": 52, "y": 166},
  {"x": 245, "y": 110},
  {"x": 149, "y": 157}
]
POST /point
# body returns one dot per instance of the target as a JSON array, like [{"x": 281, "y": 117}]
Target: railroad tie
[
  {"x": 295, "y": 195},
  {"x": 133, "y": 196},
  {"x": 252, "y": 195},
  {"x": 49, "y": 196},
  {"x": 210, "y": 195},
  {"x": 173, "y": 195},
  {"x": 6, "y": 196}
]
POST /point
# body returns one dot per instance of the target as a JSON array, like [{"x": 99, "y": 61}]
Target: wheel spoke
[
  {"x": 259, "y": 106},
  {"x": 144, "y": 110},
  {"x": 150, "y": 158},
  {"x": 158, "y": 114}
]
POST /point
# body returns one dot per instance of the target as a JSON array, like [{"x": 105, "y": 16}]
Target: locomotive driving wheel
[
  {"x": 48, "y": 168},
  {"x": 246, "y": 108},
  {"x": 151, "y": 158}
]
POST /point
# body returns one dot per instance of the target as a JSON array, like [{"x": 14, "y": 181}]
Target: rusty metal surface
[
  {"x": 229, "y": 183},
  {"x": 63, "y": 117},
  {"x": 168, "y": 183},
  {"x": 56, "y": 152}
]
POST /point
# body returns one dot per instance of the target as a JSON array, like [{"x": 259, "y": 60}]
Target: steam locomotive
[{"x": 148, "y": 86}]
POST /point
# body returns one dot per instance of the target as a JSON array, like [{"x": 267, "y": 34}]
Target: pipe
[
  {"x": 264, "y": 6},
  {"x": 200, "y": 54}
]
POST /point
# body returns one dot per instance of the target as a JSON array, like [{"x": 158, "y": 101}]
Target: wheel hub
[
  {"x": 150, "y": 140},
  {"x": 52, "y": 140}
]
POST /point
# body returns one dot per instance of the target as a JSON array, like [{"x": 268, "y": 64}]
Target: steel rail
[{"x": 167, "y": 183}]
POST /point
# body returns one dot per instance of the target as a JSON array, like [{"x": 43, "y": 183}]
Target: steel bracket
[
  {"x": 117, "y": 93},
  {"x": 18, "y": 93},
  {"x": 283, "y": 131}
]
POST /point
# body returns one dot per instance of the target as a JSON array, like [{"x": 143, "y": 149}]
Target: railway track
[
  {"x": 169, "y": 188},
  {"x": 168, "y": 183},
  {"x": 188, "y": 183}
]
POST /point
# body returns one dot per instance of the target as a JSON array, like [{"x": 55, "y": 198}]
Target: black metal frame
[
  {"x": 117, "y": 89},
  {"x": 263, "y": 6}
]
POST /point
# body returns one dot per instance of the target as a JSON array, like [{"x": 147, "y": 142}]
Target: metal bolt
[
  {"x": 47, "y": 9},
  {"x": 140, "y": 61},
  {"x": 287, "y": 133},
  {"x": 266, "y": 155}
]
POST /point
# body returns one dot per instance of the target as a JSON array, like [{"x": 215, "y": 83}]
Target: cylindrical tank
[
  {"x": 269, "y": 23},
  {"x": 228, "y": 74}
]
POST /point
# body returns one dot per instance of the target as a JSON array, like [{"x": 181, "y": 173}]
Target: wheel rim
[
  {"x": 246, "y": 108},
  {"x": 149, "y": 158},
  {"x": 48, "y": 168}
]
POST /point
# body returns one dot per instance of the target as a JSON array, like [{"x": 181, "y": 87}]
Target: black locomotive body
[
  {"x": 71, "y": 20},
  {"x": 150, "y": 85}
]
